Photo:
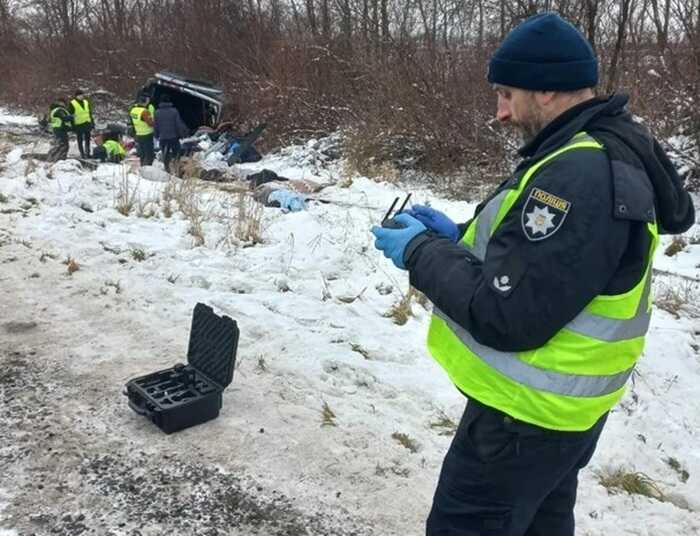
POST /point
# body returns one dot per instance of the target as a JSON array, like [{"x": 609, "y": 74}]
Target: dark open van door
[{"x": 198, "y": 102}]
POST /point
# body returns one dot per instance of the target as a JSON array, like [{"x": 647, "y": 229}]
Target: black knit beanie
[{"x": 545, "y": 53}]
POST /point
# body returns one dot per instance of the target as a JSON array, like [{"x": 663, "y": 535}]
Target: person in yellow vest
[
  {"x": 109, "y": 148},
  {"x": 142, "y": 121},
  {"x": 83, "y": 123},
  {"x": 61, "y": 122},
  {"x": 543, "y": 299}
]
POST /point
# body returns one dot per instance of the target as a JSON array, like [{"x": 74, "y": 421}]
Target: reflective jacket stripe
[
  {"x": 558, "y": 383},
  {"x": 488, "y": 219},
  {"x": 612, "y": 329}
]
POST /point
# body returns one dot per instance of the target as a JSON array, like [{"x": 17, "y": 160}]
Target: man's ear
[{"x": 545, "y": 98}]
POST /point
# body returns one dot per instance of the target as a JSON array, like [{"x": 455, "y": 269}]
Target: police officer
[
  {"x": 60, "y": 121},
  {"x": 83, "y": 123},
  {"x": 142, "y": 120},
  {"x": 109, "y": 148},
  {"x": 542, "y": 300}
]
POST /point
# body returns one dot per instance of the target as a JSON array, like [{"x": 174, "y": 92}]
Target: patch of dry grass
[
  {"x": 248, "y": 227},
  {"x": 327, "y": 415},
  {"x": 402, "y": 310},
  {"x": 617, "y": 480},
  {"x": 72, "y": 265},
  {"x": 678, "y": 297},
  {"x": 126, "y": 196},
  {"x": 189, "y": 196},
  {"x": 405, "y": 441},
  {"x": 677, "y": 245},
  {"x": 444, "y": 425}
]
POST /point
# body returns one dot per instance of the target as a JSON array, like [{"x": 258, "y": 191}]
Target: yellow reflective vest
[
  {"x": 115, "y": 150},
  {"x": 140, "y": 126},
  {"x": 81, "y": 115},
  {"x": 578, "y": 374},
  {"x": 55, "y": 121}
]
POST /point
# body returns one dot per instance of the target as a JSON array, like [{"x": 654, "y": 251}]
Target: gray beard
[{"x": 529, "y": 131}]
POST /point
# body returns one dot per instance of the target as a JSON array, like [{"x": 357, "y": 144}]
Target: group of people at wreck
[{"x": 76, "y": 115}]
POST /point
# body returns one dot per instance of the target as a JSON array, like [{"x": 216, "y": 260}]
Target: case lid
[{"x": 213, "y": 344}]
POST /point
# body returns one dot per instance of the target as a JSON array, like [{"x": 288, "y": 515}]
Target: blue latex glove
[
  {"x": 289, "y": 201},
  {"x": 393, "y": 242},
  {"x": 435, "y": 221}
]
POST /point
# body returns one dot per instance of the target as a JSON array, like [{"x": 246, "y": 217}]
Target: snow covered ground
[{"x": 312, "y": 302}]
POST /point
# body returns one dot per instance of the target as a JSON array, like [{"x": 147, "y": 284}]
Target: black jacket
[
  {"x": 599, "y": 248},
  {"x": 168, "y": 124}
]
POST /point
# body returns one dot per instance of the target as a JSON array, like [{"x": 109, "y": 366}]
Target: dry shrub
[
  {"x": 444, "y": 424},
  {"x": 617, "y": 480},
  {"x": 126, "y": 197},
  {"x": 248, "y": 222},
  {"x": 188, "y": 195},
  {"x": 405, "y": 441},
  {"x": 327, "y": 415},
  {"x": 677, "y": 297},
  {"x": 167, "y": 198},
  {"x": 401, "y": 310},
  {"x": 72, "y": 265}
]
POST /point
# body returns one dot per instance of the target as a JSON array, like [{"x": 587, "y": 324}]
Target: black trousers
[
  {"x": 59, "y": 147},
  {"x": 171, "y": 151},
  {"x": 503, "y": 477},
  {"x": 144, "y": 148},
  {"x": 82, "y": 133}
]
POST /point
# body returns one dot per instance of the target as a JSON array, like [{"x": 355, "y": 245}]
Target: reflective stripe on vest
[
  {"x": 140, "y": 126},
  {"x": 556, "y": 382},
  {"x": 576, "y": 376},
  {"x": 509, "y": 365},
  {"x": 82, "y": 111}
]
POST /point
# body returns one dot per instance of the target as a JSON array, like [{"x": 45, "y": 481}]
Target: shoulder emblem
[{"x": 543, "y": 214}]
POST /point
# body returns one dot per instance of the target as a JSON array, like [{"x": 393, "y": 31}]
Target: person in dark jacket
[
  {"x": 61, "y": 122},
  {"x": 542, "y": 300},
  {"x": 83, "y": 123},
  {"x": 169, "y": 128}
]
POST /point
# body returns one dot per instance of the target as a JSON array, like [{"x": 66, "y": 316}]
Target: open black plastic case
[{"x": 186, "y": 395}]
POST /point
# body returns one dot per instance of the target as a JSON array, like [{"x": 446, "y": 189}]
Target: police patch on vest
[{"x": 543, "y": 214}]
